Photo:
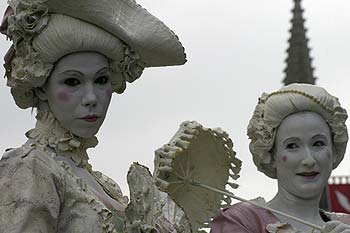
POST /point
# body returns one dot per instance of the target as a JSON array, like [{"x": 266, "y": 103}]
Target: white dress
[{"x": 47, "y": 185}]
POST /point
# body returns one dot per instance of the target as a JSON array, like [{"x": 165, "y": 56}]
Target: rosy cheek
[
  {"x": 63, "y": 96},
  {"x": 284, "y": 158}
]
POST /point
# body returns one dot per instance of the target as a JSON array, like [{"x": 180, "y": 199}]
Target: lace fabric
[{"x": 49, "y": 133}]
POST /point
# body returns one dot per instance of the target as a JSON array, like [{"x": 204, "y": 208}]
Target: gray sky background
[{"x": 236, "y": 50}]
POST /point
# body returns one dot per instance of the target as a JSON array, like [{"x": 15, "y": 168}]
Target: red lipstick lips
[
  {"x": 308, "y": 175},
  {"x": 90, "y": 118}
]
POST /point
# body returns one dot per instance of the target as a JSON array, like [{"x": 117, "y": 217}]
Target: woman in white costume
[
  {"x": 67, "y": 59},
  {"x": 298, "y": 135}
]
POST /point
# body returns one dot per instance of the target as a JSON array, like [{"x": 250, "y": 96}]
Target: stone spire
[{"x": 299, "y": 69}]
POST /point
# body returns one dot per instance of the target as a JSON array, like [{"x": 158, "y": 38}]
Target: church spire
[{"x": 299, "y": 69}]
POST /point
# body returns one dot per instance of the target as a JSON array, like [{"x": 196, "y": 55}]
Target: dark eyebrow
[
  {"x": 319, "y": 135},
  {"x": 291, "y": 138},
  {"x": 71, "y": 71},
  {"x": 104, "y": 69}
]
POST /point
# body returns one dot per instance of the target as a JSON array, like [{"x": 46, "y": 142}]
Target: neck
[
  {"x": 50, "y": 133},
  {"x": 305, "y": 208}
]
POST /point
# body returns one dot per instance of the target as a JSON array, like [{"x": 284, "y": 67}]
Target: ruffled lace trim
[
  {"x": 112, "y": 220},
  {"x": 49, "y": 132}
]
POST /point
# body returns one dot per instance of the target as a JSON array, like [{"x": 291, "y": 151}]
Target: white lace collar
[{"x": 48, "y": 132}]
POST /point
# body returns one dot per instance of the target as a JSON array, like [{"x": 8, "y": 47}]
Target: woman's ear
[
  {"x": 42, "y": 103},
  {"x": 40, "y": 93}
]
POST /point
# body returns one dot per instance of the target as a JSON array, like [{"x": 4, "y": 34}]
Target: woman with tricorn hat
[
  {"x": 67, "y": 59},
  {"x": 297, "y": 136}
]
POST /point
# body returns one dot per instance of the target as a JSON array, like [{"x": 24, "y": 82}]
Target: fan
[
  {"x": 196, "y": 156},
  {"x": 195, "y": 167}
]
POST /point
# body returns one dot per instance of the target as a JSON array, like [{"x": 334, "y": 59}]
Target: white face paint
[
  {"x": 79, "y": 91},
  {"x": 304, "y": 154}
]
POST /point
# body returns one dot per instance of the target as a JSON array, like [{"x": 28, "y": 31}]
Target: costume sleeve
[
  {"x": 230, "y": 221},
  {"x": 29, "y": 194},
  {"x": 242, "y": 218}
]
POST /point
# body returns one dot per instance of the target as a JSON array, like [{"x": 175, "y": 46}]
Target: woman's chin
[
  {"x": 85, "y": 133},
  {"x": 310, "y": 192},
  {"x": 83, "y": 129}
]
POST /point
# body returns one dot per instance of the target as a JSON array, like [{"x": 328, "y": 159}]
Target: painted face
[
  {"x": 79, "y": 91},
  {"x": 303, "y": 152}
]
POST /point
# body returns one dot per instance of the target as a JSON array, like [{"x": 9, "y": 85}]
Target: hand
[{"x": 336, "y": 227}]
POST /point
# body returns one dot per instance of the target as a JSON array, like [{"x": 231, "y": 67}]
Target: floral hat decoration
[
  {"x": 273, "y": 108},
  {"x": 43, "y": 31}
]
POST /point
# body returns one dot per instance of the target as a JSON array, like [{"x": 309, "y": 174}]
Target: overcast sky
[{"x": 235, "y": 51}]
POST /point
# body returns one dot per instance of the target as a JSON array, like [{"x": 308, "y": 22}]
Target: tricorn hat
[{"x": 43, "y": 31}]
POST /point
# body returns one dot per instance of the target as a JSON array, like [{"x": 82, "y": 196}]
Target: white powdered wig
[{"x": 273, "y": 108}]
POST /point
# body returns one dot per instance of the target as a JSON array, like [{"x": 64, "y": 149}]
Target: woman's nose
[
  {"x": 309, "y": 159},
  {"x": 89, "y": 98}
]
